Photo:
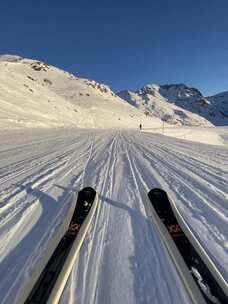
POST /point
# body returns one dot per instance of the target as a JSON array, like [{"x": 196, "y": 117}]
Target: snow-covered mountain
[
  {"x": 35, "y": 94},
  {"x": 180, "y": 104},
  {"x": 155, "y": 101}
]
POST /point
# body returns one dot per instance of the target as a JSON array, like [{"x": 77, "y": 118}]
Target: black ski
[
  {"x": 43, "y": 287},
  {"x": 210, "y": 288}
]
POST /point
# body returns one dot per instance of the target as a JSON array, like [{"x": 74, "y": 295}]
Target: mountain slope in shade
[
  {"x": 35, "y": 94},
  {"x": 180, "y": 104},
  {"x": 219, "y": 103},
  {"x": 214, "y": 108}
]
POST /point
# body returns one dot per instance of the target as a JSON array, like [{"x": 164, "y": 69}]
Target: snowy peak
[
  {"x": 180, "y": 92},
  {"x": 182, "y": 104},
  {"x": 154, "y": 101},
  {"x": 172, "y": 91}
]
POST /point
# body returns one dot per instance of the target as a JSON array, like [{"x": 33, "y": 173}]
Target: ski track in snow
[{"x": 122, "y": 259}]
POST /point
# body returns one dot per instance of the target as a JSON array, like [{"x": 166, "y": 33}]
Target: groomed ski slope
[{"x": 122, "y": 259}]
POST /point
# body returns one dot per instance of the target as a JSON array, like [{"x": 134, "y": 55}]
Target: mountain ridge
[
  {"x": 33, "y": 93},
  {"x": 213, "y": 108}
]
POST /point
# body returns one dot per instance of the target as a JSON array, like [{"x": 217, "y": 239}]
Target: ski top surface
[
  {"x": 184, "y": 247},
  {"x": 53, "y": 277}
]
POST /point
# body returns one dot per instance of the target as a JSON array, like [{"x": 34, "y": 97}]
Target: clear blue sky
[{"x": 123, "y": 43}]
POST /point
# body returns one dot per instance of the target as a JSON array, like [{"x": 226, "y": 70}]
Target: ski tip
[
  {"x": 157, "y": 194},
  {"x": 159, "y": 200},
  {"x": 87, "y": 194}
]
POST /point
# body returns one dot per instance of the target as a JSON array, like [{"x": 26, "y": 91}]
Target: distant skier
[{"x": 140, "y": 127}]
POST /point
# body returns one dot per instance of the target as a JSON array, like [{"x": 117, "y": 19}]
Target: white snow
[
  {"x": 122, "y": 259},
  {"x": 211, "y": 135}
]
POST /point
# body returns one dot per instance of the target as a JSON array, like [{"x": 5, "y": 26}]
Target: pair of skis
[{"x": 201, "y": 278}]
